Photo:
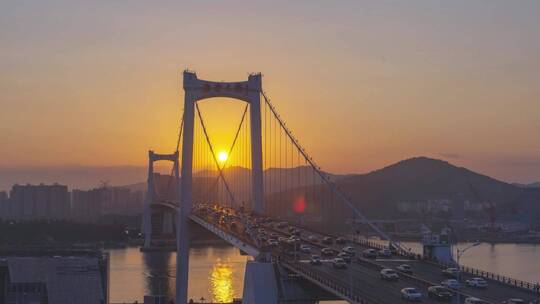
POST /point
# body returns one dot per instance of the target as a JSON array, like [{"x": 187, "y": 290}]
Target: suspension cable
[
  {"x": 220, "y": 171},
  {"x": 326, "y": 179},
  {"x": 231, "y": 148}
]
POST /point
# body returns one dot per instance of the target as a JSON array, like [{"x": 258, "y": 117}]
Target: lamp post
[{"x": 459, "y": 253}]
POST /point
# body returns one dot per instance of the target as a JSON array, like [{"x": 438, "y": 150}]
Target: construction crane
[{"x": 487, "y": 205}]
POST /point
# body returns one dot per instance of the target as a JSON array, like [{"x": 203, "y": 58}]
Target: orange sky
[{"x": 363, "y": 84}]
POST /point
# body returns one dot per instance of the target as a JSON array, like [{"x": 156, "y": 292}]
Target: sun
[{"x": 222, "y": 156}]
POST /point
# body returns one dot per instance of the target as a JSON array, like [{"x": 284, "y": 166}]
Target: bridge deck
[{"x": 361, "y": 282}]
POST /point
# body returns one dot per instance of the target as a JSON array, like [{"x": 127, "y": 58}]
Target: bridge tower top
[{"x": 201, "y": 89}]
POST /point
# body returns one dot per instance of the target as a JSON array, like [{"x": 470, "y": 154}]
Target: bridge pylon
[
  {"x": 151, "y": 197},
  {"x": 196, "y": 89}
]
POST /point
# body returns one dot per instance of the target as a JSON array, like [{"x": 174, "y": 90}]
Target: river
[{"x": 217, "y": 271}]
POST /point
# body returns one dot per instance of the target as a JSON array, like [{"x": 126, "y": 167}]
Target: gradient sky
[{"x": 363, "y": 83}]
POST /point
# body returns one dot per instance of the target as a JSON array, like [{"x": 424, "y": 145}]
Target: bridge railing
[
  {"x": 376, "y": 245},
  {"x": 534, "y": 287}
]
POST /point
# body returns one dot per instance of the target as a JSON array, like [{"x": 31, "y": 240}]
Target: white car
[
  {"x": 477, "y": 282},
  {"x": 389, "y": 274},
  {"x": 349, "y": 250},
  {"x": 305, "y": 248},
  {"x": 411, "y": 294},
  {"x": 339, "y": 263},
  {"x": 315, "y": 260},
  {"x": 451, "y": 283},
  {"x": 451, "y": 272},
  {"x": 312, "y": 238},
  {"x": 473, "y": 300},
  {"x": 404, "y": 268},
  {"x": 385, "y": 253}
]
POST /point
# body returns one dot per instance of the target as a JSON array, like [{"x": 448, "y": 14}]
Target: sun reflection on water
[{"x": 221, "y": 279}]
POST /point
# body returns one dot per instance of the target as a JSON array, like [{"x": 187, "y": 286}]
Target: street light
[{"x": 459, "y": 253}]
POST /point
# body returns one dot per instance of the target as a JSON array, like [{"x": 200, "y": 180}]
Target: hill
[{"x": 423, "y": 178}]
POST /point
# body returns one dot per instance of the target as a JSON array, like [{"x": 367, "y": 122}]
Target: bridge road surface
[
  {"x": 428, "y": 274},
  {"x": 496, "y": 292},
  {"x": 356, "y": 276}
]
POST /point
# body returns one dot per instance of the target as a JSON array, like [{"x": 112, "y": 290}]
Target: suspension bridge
[{"x": 268, "y": 197}]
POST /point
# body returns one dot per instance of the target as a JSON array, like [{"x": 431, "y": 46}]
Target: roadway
[
  {"x": 431, "y": 273},
  {"x": 362, "y": 274}
]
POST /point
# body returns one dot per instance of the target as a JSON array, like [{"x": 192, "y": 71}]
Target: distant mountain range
[
  {"x": 423, "y": 178},
  {"x": 417, "y": 178}
]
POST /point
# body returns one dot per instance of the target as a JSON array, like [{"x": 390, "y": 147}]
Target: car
[
  {"x": 327, "y": 251},
  {"x": 451, "y": 283},
  {"x": 349, "y": 250},
  {"x": 272, "y": 242},
  {"x": 389, "y": 274},
  {"x": 369, "y": 253},
  {"x": 328, "y": 240},
  {"x": 341, "y": 240},
  {"x": 439, "y": 293},
  {"x": 477, "y": 282},
  {"x": 315, "y": 260},
  {"x": 281, "y": 225},
  {"x": 345, "y": 256},
  {"x": 312, "y": 238},
  {"x": 305, "y": 248},
  {"x": 473, "y": 300},
  {"x": 385, "y": 253},
  {"x": 294, "y": 238},
  {"x": 405, "y": 268},
  {"x": 339, "y": 263},
  {"x": 451, "y": 272},
  {"x": 411, "y": 294}
]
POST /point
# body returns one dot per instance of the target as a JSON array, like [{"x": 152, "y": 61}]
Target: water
[{"x": 217, "y": 272}]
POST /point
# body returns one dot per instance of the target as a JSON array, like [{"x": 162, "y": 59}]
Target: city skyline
[{"x": 87, "y": 85}]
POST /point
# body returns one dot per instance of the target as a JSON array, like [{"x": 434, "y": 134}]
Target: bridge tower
[
  {"x": 151, "y": 195},
  {"x": 196, "y": 89}
]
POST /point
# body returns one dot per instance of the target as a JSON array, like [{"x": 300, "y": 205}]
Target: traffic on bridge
[{"x": 361, "y": 272}]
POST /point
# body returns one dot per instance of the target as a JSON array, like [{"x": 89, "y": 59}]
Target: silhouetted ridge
[{"x": 422, "y": 178}]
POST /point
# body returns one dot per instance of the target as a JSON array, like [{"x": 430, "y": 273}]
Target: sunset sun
[{"x": 222, "y": 156}]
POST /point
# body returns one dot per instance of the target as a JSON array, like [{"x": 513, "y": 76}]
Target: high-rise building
[
  {"x": 39, "y": 202},
  {"x": 87, "y": 205},
  {"x": 90, "y": 205},
  {"x": 4, "y": 207}
]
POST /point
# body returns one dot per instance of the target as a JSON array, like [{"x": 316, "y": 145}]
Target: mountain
[
  {"x": 237, "y": 178},
  {"x": 423, "y": 178}
]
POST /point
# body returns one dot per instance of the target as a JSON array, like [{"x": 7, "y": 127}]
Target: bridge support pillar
[
  {"x": 257, "y": 184},
  {"x": 269, "y": 283},
  {"x": 151, "y": 195},
  {"x": 260, "y": 284}
]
